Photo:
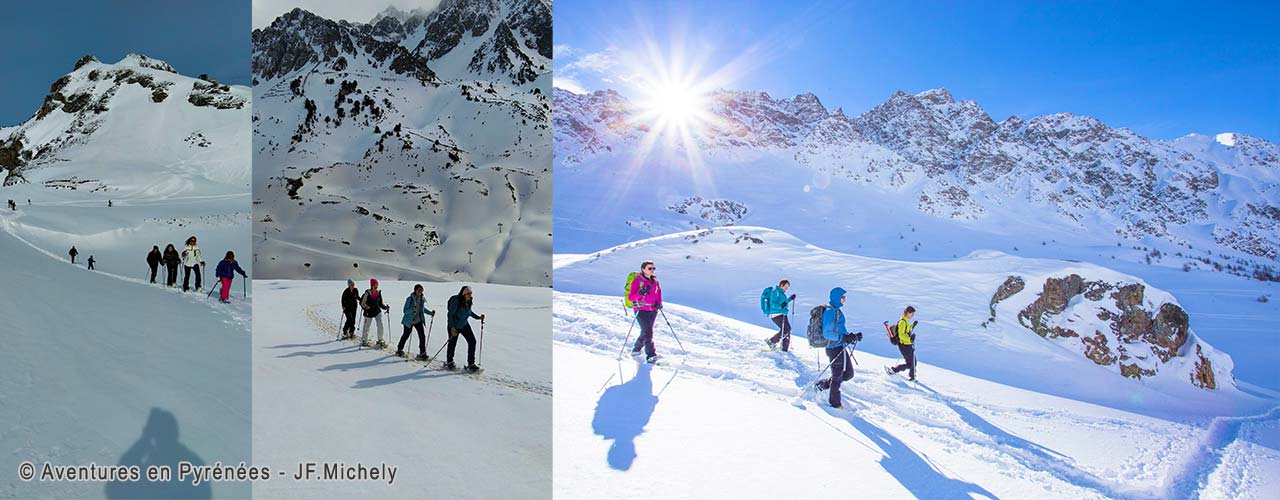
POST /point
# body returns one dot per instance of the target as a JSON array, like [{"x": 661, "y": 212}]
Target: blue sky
[
  {"x": 1163, "y": 69},
  {"x": 43, "y": 40}
]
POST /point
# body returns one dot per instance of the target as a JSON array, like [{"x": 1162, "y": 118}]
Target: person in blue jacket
[
  {"x": 459, "y": 314},
  {"x": 774, "y": 302},
  {"x": 838, "y": 339},
  {"x": 225, "y": 272},
  {"x": 415, "y": 316}
]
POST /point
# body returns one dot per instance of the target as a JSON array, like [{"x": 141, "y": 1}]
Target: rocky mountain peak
[{"x": 141, "y": 61}]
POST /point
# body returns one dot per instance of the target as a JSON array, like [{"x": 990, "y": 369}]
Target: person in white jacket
[{"x": 191, "y": 261}]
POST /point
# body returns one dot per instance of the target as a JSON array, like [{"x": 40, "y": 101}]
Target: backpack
[
  {"x": 814, "y": 332},
  {"x": 893, "y": 332},
  {"x": 764, "y": 299},
  {"x": 626, "y": 291}
]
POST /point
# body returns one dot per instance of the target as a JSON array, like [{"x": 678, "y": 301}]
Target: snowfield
[
  {"x": 451, "y": 434},
  {"x": 999, "y": 411}
]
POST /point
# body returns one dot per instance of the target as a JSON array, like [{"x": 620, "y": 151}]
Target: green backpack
[{"x": 626, "y": 291}]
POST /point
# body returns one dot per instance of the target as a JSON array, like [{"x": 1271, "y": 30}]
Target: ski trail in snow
[
  {"x": 237, "y": 313},
  {"x": 413, "y": 271},
  {"x": 1191, "y": 475},
  {"x": 488, "y": 377}
]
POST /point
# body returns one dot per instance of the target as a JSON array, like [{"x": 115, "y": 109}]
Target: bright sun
[{"x": 675, "y": 103}]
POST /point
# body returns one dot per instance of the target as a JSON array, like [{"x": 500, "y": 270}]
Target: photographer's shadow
[
  {"x": 621, "y": 414},
  {"x": 158, "y": 446}
]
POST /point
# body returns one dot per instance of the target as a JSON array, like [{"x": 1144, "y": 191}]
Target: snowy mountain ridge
[
  {"x": 430, "y": 126},
  {"x": 138, "y": 111},
  {"x": 951, "y": 160}
]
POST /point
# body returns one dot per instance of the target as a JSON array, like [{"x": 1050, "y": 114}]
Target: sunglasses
[{"x": 650, "y": 268}]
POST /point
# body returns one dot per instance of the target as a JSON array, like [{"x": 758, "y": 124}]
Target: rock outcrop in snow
[{"x": 1123, "y": 325}]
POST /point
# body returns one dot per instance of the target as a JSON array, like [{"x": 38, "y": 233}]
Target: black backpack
[
  {"x": 814, "y": 331},
  {"x": 893, "y": 332}
]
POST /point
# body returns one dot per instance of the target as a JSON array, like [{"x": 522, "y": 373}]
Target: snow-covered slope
[
  {"x": 101, "y": 366},
  {"x": 728, "y": 421},
  {"x": 1072, "y": 329},
  {"x": 451, "y": 435},
  {"x": 1216, "y": 200},
  {"x": 415, "y": 145}
]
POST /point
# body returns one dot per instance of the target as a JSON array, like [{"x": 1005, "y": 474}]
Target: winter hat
[
  {"x": 836, "y": 293},
  {"x": 373, "y": 282},
  {"x": 351, "y": 283}
]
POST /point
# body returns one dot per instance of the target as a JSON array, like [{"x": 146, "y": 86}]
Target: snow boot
[
  {"x": 473, "y": 368},
  {"x": 636, "y": 352},
  {"x": 380, "y": 345},
  {"x": 769, "y": 342},
  {"x": 888, "y": 370},
  {"x": 399, "y": 354},
  {"x": 837, "y": 406},
  {"x": 422, "y": 357},
  {"x": 448, "y": 365},
  {"x": 653, "y": 359}
]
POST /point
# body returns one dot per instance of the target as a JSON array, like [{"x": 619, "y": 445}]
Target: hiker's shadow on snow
[
  {"x": 421, "y": 373},
  {"x": 913, "y": 471},
  {"x": 384, "y": 360},
  {"x": 158, "y": 446},
  {"x": 310, "y": 354},
  {"x": 621, "y": 414}
]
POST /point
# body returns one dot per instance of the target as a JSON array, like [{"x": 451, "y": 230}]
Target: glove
[
  {"x": 482, "y": 318},
  {"x": 431, "y": 313},
  {"x": 793, "y": 297},
  {"x": 453, "y": 332},
  {"x": 657, "y": 306}
]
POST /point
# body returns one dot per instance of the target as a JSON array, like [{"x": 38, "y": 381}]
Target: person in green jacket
[
  {"x": 774, "y": 303},
  {"x": 906, "y": 344}
]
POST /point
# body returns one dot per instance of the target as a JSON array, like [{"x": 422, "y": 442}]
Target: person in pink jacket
[{"x": 646, "y": 294}]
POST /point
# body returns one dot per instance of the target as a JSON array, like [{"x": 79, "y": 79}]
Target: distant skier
[
  {"x": 191, "y": 262},
  {"x": 350, "y": 301},
  {"x": 109, "y": 204},
  {"x": 91, "y": 262},
  {"x": 459, "y": 324},
  {"x": 415, "y": 312},
  {"x": 73, "y": 253},
  {"x": 225, "y": 272},
  {"x": 906, "y": 345},
  {"x": 373, "y": 307},
  {"x": 838, "y": 338},
  {"x": 774, "y": 302},
  {"x": 171, "y": 262},
  {"x": 646, "y": 295},
  {"x": 153, "y": 261}
]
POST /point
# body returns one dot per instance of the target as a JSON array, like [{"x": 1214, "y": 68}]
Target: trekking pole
[
  {"x": 442, "y": 346},
  {"x": 210, "y": 294},
  {"x": 628, "y": 339},
  {"x": 673, "y": 332},
  {"x": 244, "y": 288},
  {"x": 480, "y": 355},
  {"x": 428, "y": 342},
  {"x": 820, "y": 372}
]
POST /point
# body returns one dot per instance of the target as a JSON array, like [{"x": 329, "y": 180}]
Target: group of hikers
[
  {"x": 370, "y": 303},
  {"x": 191, "y": 261},
  {"x": 826, "y": 329},
  {"x": 13, "y": 205}
]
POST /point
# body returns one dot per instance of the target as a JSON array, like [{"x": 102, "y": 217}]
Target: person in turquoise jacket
[
  {"x": 459, "y": 315},
  {"x": 415, "y": 316},
  {"x": 838, "y": 338},
  {"x": 774, "y": 302}
]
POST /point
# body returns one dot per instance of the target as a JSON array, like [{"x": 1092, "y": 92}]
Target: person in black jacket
[
  {"x": 91, "y": 261},
  {"x": 171, "y": 262},
  {"x": 459, "y": 313},
  {"x": 350, "y": 301},
  {"x": 373, "y": 306},
  {"x": 73, "y": 253},
  {"x": 153, "y": 261}
]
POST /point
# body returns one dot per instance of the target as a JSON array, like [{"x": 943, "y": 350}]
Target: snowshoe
[
  {"x": 474, "y": 368},
  {"x": 888, "y": 370},
  {"x": 769, "y": 342},
  {"x": 399, "y": 354},
  {"x": 837, "y": 406},
  {"x": 448, "y": 365},
  {"x": 422, "y": 357},
  {"x": 636, "y": 352},
  {"x": 380, "y": 345},
  {"x": 365, "y": 343},
  {"x": 653, "y": 360}
]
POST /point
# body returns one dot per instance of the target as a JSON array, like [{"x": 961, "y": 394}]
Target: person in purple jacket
[
  {"x": 226, "y": 272},
  {"x": 646, "y": 294}
]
